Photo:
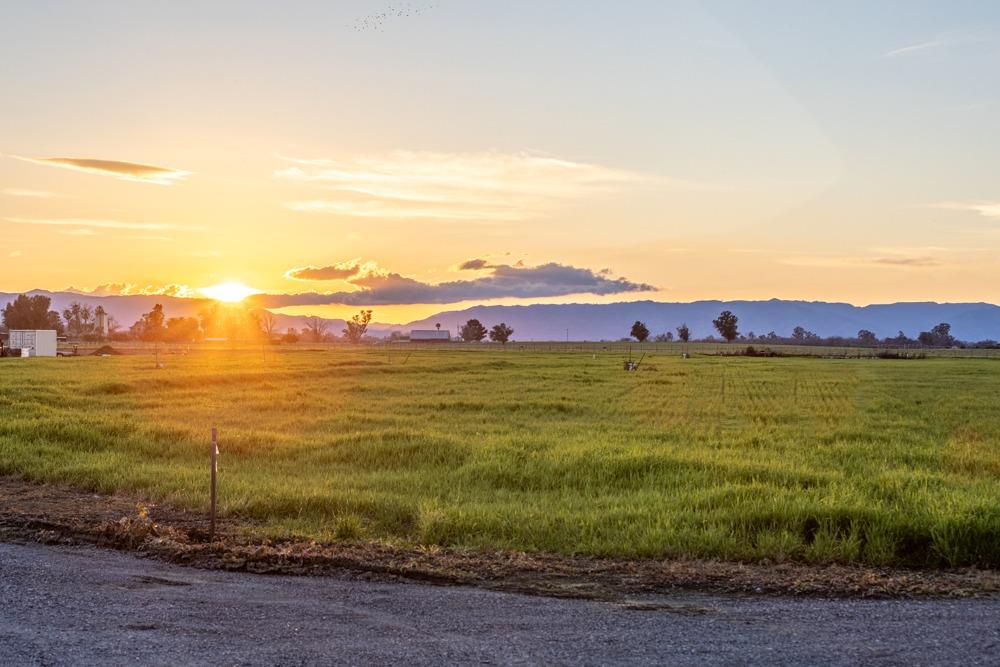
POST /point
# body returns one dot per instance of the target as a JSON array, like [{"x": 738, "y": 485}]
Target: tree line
[
  {"x": 79, "y": 321},
  {"x": 727, "y": 325}
]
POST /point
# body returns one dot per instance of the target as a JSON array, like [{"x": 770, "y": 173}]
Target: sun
[{"x": 229, "y": 292}]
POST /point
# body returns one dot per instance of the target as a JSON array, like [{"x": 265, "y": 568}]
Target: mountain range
[{"x": 579, "y": 321}]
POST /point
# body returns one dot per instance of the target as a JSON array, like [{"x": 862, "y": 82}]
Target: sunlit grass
[{"x": 856, "y": 460}]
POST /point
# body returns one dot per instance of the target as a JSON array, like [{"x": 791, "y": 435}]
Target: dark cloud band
[{"x": 503, "y": 281}]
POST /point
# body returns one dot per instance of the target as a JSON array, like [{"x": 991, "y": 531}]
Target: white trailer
[{"x": 38, "y": 342}]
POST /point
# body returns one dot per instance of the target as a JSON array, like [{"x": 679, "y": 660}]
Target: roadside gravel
[{"x": 74, "y": 605}]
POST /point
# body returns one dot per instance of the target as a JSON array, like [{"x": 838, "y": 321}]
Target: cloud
[
  {"x": 126, "y": 171},
  {"x": 14, "y": 253},
  {"x": 460, "y": 186},
  {"x": 33, "y": 194},
  {"x": 79, "y": 231},
  {"x": 340, "y": 271},
  {"x": 936, "y": 43},
  {"x": 905, "y": 261},
  {"x": 920, "y": 46},
  {"x": 131, "y": 289},
  {"x": 144, "y": 237},
  {"x": 901, "y": 261},
  {"x": 989, "y": 209},
  {"x": 380, "y": 287},
  {"x": 97, "y": 224},
  {"x": 473, "y": 265}
]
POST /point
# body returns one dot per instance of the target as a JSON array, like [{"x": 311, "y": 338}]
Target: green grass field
[{"x": 817, "y": 460}]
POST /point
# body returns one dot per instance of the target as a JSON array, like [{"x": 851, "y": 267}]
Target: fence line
[{"x": 556, "y": 347}]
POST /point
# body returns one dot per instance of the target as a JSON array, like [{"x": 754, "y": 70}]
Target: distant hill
[{"x": 969, "y": 321}]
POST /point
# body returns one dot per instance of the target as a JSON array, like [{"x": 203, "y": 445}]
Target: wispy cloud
[
  {"x": 14, "y": 253},
  {"x": 90, "y": 223},
  {"x": 126, "y": 171},
  {"x": 939, "y": 42},
  {"x": 144, "y": 237},
  {"x": 919, "y": 46},
  {"x": 989, "y": 209},
  {"x": 32, "y": 194},
  {"x": 376, "y": 286},
  {"x": 79, "y": 231},
  {"x": 887, "y": 261},
  {"x": 915, "y": 262},
  {"x": 465, "y": 186}
]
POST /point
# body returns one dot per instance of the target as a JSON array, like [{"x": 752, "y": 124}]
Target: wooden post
[{"x": 215, "y": 468}]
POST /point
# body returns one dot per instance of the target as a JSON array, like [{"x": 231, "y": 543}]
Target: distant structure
[
  {"x": 33, "y": 342},
  {"x": 100, "y": 322},
  {"x": 429, "y": 336}
]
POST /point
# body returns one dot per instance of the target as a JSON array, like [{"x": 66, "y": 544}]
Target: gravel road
[{"x": 85, "y": 606}]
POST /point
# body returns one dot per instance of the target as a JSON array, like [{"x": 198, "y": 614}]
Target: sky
[{"x": 411, "y": 156}]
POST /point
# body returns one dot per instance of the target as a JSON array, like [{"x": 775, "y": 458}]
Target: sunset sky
[{"x": 415, "y": 156}]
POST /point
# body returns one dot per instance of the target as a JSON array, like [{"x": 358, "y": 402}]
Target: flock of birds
[{"x": 376, "y": 22}]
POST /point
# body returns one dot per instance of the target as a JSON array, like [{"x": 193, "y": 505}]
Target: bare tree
[
  {"x": 316, "y": 328},
  {"x": 268, "y": 323}
]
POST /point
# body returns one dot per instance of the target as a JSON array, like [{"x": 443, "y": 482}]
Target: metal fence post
[{"x": 215, "y": 468}]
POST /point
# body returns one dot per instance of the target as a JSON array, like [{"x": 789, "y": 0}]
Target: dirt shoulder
[{"x": 59, "y": 514}]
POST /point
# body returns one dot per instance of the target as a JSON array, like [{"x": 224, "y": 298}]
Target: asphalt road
[{"x": 83, "y": 606}]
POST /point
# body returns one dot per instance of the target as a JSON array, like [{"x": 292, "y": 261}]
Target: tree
[
  {"x": 501, "y": 333},
  {"x": 182, "y": 330},
  {"x": 31, "y": 312},
  {"x": 291, "y": 336},
  {"x": 664, "y": 337},
  {"x": 358, "y": 326},
  {"x": 726, "y": 325},
  {"x": 245, "y": 324},
  {"x": 316, "y": 328},
  {"x": 942, "y": 335},
  {"x": 473, "y": 331},
  {"x": 268, "y": 323},
  {"x": 803, "y": 335},
  {"x": 900, "y": 340},
  {"x": 79, "y": 319},
  {"x": 150, "y": 326},
  {"x": 867, "y": 338},
  {"x": 639, "y": 331},
  {"x": 684, "y": 333}
]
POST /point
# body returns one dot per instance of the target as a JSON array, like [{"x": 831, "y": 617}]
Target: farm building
[
  {"x": 37, "y": 342},
  {"x": 429, "y": 336}
]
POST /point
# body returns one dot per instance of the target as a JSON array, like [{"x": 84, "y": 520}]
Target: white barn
[
  {"x": 429, "y": 336},
  {"x": 37, "y": 342}
]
